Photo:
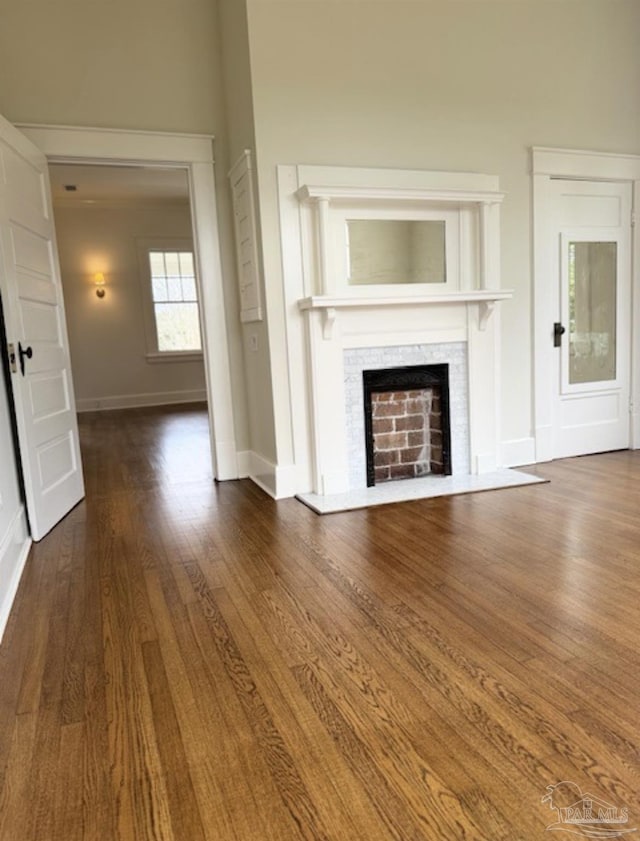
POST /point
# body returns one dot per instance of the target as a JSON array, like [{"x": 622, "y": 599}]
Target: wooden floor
[{"x": 191, "y": 661}]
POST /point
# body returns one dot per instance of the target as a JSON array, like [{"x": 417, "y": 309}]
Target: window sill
[{"x": 174, "y": 356}]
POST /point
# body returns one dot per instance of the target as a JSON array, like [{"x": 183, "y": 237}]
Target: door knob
[
  {"x": 22, "y": 352},
  {"x": 558, "y": 331}
]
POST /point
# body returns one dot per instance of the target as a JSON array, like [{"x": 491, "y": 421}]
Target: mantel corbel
[
  {"x": 328, "y": 320},
  {"x": 486, "y": 310}
]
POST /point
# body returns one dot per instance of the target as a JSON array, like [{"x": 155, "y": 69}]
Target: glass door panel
[{"x": 592, "y": 279}]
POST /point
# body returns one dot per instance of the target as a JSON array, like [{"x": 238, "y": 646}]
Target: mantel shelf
[
  {"x": 328, "y": 305},
  {"x": 466, "y": 296}
]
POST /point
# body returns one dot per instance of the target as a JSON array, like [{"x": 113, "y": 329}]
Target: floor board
[{"x": 192, "y": 661}]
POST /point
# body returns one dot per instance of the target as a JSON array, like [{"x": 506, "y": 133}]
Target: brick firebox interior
[{"x": 407, "y": 433}]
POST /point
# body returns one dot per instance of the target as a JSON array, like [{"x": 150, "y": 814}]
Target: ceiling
[{"x": 119, "y": 184}]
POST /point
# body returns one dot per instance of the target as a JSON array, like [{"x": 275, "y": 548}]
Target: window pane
[
  {"x": 174, "y": 295},
  {"x": 189, "y": 289},
  {"x": 156, "y": 261},
  {"x": 172, "y": 263},
  {"x": 175, "y": 288},
  {"x": 178, "y": 327},
  {"x": 592, "y": 311},
  {"x": 186, "y": 264},
  {"x": 159, "y": 289}
]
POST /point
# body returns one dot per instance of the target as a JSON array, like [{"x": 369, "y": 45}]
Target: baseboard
[
  {"x": 544, "y": 443},
  {"x": 518, "y": 452},
  {"x": 14, "y": 550},
  {"x": 277, "y": 481},
  {"x": 263, "y": 473},
  {"x": 132, "y": 401},
  {"x": 484, "y": 463},
  {"x": 286, "y": 480},
  {"x": 244, "y": 464}
]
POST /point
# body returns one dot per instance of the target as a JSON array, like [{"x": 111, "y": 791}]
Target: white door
[
  {"x": 592, "y": 330},
  {"x": 36, "y": 331}
]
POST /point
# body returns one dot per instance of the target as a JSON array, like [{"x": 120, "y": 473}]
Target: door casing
[
  {"x": 592, "y": 166},
  {"x": 195, "y": 154}
]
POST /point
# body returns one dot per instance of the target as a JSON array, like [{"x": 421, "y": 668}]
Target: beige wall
[
  {"x": 451, "y": 85},
  {"x": 148, "y": 64},
  {"x": 236, "y": 72},
  {"x": 435, "y": 84},
  {"x": 107, "y": 336},
  {"x": 145, "y": 64}
]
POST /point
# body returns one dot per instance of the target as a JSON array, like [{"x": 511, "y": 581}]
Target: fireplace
[
  {"x": 407, "y": 428},
  {"x": 354, "y": 319}
]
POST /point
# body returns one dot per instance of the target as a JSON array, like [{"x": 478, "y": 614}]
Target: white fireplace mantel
[
  {"x": 329, "y": 305},
  {"x": 327, "y": 317}
]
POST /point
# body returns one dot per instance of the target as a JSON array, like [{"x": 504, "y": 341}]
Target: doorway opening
[
  {"x": 193, "y": 153},
  {"x": 132, "y": 294}
]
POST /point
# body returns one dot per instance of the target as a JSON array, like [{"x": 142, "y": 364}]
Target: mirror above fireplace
[{"x": 395, "y": 251}]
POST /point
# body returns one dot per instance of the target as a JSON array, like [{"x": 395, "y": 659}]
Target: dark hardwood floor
[{"x": 190, "y": 661}]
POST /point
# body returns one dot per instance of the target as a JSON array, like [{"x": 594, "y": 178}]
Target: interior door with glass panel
[{"x": 592, "y": 333}]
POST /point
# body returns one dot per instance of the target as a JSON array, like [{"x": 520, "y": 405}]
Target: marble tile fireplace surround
[
  {"x": 359, "y": 360},
  {"x": 337, "y": 328}
]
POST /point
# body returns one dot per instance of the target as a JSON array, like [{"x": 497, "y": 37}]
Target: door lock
[
  {"x": 11, "y": 350},
  {"x": 558, "y": 331}
]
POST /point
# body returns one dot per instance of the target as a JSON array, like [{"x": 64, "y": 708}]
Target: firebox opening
[{"x": 407, "y": 427}]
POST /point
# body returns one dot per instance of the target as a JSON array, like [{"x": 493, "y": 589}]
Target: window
[{"x": 175, "y": 301}]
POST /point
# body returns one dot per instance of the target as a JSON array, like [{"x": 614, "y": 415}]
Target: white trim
[
  {"x": 548, "y": 163},
  {"x": 263, "y": 473},
  {"x": 246, "y": 238},
  {"x": 371, "y": 300},
  {"x": 14, "y": 551},
  {"x": 64, "y": 144},
  {"x": 518, "y": 452},
  {"x": 325, "y": 318},
  {"x": 580, "y": 163},
  {"x": 123, "y": 145},
  {"x": 254, "y": 314},
  {"x": 310, "y": 193},
  {"x": 286, "y": 481},
  {"x": 132, "y": 401},
  {"x": 174, "y": 356},
  {"x": 244, "y": 464},
  {"x": 279, "y": 481}
]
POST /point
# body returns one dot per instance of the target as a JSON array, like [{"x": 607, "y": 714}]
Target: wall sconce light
[{"x": 98, "y": 279}]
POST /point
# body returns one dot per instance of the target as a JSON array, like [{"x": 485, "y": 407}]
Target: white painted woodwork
[
  {"x": 195, "y": 154},
  {"x": 549, "y": 164},
  {"x": 467, "y": 213},
  {"x": 14, "y": 532},
  {"x": 592, "y": 417},
  {"x": 326, "y": 316},
  {"x": 245, "y": 229},
  {"x": 34, "y": 314}
]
